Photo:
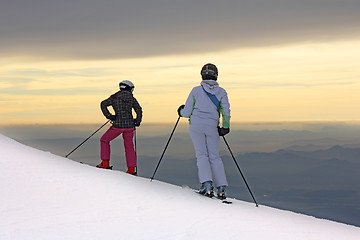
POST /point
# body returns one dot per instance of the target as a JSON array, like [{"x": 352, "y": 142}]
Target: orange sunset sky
[{"x": 278, "y": 60}]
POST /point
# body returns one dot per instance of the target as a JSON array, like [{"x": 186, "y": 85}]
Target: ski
[
  {"x": 214, "y": 197},
  {"x": 211, "y": 197},
  {"x": 108, "y": 168}
]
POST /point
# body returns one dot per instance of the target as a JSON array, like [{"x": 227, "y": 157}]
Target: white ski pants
[{"x": 206, "y": 143}]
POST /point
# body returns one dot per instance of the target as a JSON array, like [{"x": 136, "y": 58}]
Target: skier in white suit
[{"x": 203, "y": 107}]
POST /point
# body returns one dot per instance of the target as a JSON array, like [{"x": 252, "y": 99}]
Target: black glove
[
  {"x": 179, "y": 109},
  {"x": 223, "y": 131},
  {"x": 111, "y": 117},
  {"x": 136, "y": 123}
]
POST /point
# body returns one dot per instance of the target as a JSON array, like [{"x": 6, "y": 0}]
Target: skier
[
  {"x": 123, "y": 123},
  {"x": 204, "y": 131}
]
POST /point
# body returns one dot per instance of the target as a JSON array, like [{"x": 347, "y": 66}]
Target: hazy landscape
[{"x": 312, "y": 168}]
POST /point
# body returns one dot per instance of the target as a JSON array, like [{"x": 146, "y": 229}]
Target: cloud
[
  {"x": 122, "y": 29},
  {"x": 54, "y": 92},
  {"x": 33, "y": 87},
  {"x": 70, "y": 72},
  {"x": 267, "y": 85}
]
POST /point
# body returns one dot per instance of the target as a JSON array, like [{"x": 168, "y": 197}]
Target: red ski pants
[{"x": 111, "y": 134}]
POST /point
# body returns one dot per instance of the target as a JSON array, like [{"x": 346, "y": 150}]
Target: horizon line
[{"x": 182, "y": 123}]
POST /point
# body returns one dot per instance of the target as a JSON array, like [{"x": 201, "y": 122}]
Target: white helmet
[{"x": 127, "y": 85}]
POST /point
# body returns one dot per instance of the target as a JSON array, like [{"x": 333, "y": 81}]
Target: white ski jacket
[{"x": 201, "y": 110}]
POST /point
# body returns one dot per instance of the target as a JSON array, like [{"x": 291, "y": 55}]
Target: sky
[{"x": 278, "y": 60}]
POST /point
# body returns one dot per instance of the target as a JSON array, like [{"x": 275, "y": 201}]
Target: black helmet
[
  {"x": 209, "y": 71},
  {"x": 126, "y": 85}
]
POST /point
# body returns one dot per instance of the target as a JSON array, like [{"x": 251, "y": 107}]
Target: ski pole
[
  {"x": 86, "y": 139},
  {"x": 242, "y": 175},
  {"x": 135, "y": 141},
  {"x": 165, "y": 147},
  {"x": 135, "y": 148}
]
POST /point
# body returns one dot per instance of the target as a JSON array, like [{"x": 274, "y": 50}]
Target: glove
[
  {"x": 179, "y": 109},
  {"x": 136, "y": 123},
  {"x": 223, "y": 131},
  {"x": 111, "y": 117}
]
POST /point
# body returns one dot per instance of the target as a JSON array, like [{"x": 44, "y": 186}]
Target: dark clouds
[{"x": 117, "y": 29}]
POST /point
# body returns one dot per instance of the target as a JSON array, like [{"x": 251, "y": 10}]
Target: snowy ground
[{"x": 44, "y": 196}]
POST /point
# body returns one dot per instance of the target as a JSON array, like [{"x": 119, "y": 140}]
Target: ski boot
[
  {"x": 104, "y": 164},
  {"x": 207, "y": 189},
  {"x": 132, "y": 171},
  {"x": 221, "y": 194}
]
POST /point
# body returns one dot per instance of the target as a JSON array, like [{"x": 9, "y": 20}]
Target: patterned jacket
[{"x": 122, "y": 102}]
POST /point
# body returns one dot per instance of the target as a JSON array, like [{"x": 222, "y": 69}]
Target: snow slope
[{"x": 44, "y": 196}]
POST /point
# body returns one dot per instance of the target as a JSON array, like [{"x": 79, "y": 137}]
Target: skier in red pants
[{"x": 123, "y": 123}]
